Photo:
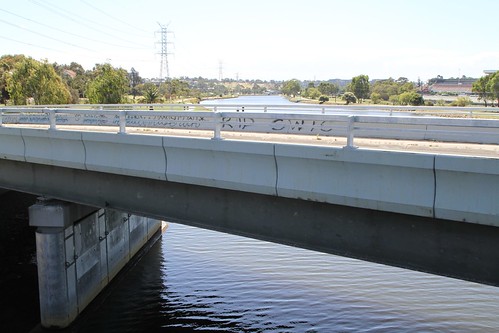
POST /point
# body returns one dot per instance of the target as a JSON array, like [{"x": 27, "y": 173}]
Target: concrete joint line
[
  {"x": 276, "y": 173},
  {"x": 84, "y": 152},
  {"x": 24, "y": 145},
  {"x": 166, "y": 157},
  {"x": 434, "y": 184}
]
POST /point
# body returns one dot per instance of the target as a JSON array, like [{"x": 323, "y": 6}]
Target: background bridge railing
[{"x": 220, "y": 118}]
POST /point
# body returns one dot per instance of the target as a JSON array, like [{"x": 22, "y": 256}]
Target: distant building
[
  {"x": 452, "y": 86},
  {"x": 69, "y": 73},
  {"x": 489, "y": 71}
]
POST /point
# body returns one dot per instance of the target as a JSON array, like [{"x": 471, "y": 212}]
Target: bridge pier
[{"x": 79, "y": 250}]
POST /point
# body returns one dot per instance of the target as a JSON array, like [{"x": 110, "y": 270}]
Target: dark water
[
  {"x": 194, "y": 280},
  {"x": 199, "y": 280},
  {"x": 18, "y": 272}
]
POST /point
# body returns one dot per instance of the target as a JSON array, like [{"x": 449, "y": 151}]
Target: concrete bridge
[{"x": 437, "y": 213}]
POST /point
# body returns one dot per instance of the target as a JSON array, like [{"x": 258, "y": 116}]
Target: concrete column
[
  {"x": 57, "y": 305},
  {"x": 79, "y": 250},
  {"x": 56, "y": 259}
]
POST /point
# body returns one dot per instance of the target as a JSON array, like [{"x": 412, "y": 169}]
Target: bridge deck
[{"x": 433, "y": 147}]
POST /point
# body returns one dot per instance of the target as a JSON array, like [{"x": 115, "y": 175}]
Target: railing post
[
  {"x": 323, "y": 110},
  {"x": 52, "y": 119},
  {"x": 265, "y": 108},
  {"x": 350, "y": 131},
  {"x": 218, "y": 126},
  {"x": 1, "y": 114},
  {"x": 122, "y": 122}
]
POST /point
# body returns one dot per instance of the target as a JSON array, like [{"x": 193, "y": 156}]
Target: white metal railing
[
  {"x": 297, "y": 107},
  {"x": 265, "y": 119}
]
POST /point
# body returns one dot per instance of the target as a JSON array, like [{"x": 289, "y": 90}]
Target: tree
[
  {"x": 38, "y": 80},
  {"x": 360, "y": 86},
  {"x": 135, "y": 80},
  {"x": 391, "y": 87},
  {"x": 480, "y": 87},
  {"x": 385, "y": 88},
  {"x": 312, "y": 93},
  {"x": 323, "y": 99},
  {"x": 177, "y": 88},
  {"x": 411, "y": 98},
  {"x": 75, "y": 77},
  {"x": 375, "y": 97},
  {"x": 109, "y": 85},
  {"x": 394, "y": 99},
  {"x": 493, "y": 86},
  {"x": 349, "y": 97},
  {"x": 151, "y": 93},
  {"x": 291, "y": 87},
  {"x": 7, "y": 63},
  {"x": 328, "y": 88}
]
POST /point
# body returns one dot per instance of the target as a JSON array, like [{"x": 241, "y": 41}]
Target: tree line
[
  {"x": 400, "y": 91},
  {"x": 24, "y": 80},
  {"x": 487, "y": 87}
]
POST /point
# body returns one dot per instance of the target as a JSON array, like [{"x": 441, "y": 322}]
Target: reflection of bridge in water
[{"x": 425, "y": 211}]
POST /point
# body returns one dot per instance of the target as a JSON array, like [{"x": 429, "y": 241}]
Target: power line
[
  {"x": 69, "y": 33},
  {"x": 40, "y": 34},
  {"x": 164, "y": 51},
  {"x": 39, "y": 46},
  {"x": 78, "y": 19},
  {"x": 112, "y": 17}
]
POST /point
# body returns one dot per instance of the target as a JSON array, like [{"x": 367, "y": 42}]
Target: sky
[{"x": 260, "y": 39}]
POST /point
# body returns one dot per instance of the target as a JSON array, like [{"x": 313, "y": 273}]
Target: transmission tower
[{"x": 164, "y": 51}]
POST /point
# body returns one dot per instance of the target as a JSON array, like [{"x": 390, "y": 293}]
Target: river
[
  {"x": 200, "y": 280},
  {"x": 195, "y": 280},
  {"x": 279, "y": 101}
]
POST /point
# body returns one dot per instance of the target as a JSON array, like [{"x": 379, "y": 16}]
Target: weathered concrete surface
[
  {"x": 391, "y": 181},
  {"x": 462, "y": 250},
  {"x": 80, "y": 249}
]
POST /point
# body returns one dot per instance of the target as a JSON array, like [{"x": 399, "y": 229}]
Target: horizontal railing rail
[
  {"x": 470, "y": 112},
  {"x": 265, "y": 119}
]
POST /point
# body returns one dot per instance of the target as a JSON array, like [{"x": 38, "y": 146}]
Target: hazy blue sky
[{"x": 261, "y": 39}]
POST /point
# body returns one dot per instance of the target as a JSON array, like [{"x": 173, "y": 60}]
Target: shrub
[
  {"x": 462, "y": 101},
  {"x": 349, "y": 97},
  {"x": 323, "y": 99},
  {"x": 375, "y": 98}
]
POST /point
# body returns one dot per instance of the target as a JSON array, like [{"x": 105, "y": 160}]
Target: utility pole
[{"x": 164, "y": 51}]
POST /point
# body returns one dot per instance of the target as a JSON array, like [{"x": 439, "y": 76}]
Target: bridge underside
[{"x": 455, "y": 249}]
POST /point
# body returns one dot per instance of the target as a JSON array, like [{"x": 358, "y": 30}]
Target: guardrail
[
  {"x": 273, "y": 121},
  {"x": 469, "y": 112}
]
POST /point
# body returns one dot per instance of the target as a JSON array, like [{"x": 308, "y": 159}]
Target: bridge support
[{"x": 79, "y": 250}]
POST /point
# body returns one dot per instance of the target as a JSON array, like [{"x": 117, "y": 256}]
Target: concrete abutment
[{"x": 79, "y": 250}]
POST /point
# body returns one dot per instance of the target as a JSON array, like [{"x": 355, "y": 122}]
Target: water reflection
[{"x": 203, "y": 281}]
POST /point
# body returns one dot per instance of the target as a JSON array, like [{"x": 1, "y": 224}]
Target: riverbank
[{"x": 18, "y": 271}]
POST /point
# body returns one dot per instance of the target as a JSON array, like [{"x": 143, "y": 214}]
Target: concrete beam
[
  {"x": 387, "y": 181},
  {"x": 49, "y": 213},
  {"x": 461, "y": 250},
  {"x": 467, "y": 190},
  {"x": 243, "y": 166},
  {"x": 400, "y": 182},
  {"x": 133, "y": 155}
]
